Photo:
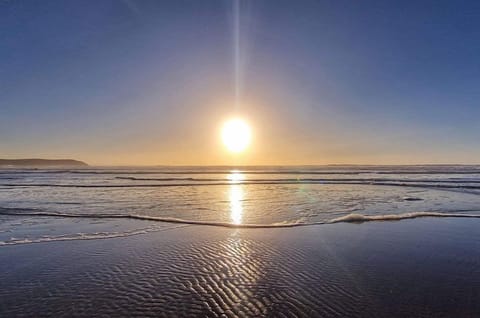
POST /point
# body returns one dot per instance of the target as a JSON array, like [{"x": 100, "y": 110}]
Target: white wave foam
[
  {"x": 148, "y": 218},
  {"x": 356, "y": 217},
  {"x": 350, "y": 218},
  {"x": 85, "y": 236}
]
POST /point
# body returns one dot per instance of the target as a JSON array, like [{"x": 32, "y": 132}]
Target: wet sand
[{"x": 427, "y": 267}]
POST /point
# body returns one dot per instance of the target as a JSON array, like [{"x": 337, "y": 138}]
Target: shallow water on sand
[{"x": 415, "y": 268}]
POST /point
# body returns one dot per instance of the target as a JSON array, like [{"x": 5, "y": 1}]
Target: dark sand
[{"x": 426, "y": 267}]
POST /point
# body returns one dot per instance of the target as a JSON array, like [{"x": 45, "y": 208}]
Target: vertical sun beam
[{"x": 236, "y": 51}]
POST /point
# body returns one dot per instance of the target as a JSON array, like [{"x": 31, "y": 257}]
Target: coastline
[{"x": 425, "y": 267}]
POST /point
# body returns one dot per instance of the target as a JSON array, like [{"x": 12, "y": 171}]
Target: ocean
[{"x": 236, "y": 197}]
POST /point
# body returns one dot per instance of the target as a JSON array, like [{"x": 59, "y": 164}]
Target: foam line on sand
[{"x": 350, "y": 218}]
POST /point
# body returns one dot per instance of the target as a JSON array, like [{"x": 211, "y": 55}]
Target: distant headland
[{"x": 24, "y": 163}]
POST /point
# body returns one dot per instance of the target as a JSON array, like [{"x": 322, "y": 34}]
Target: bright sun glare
[{"x": 236, "y": 135}]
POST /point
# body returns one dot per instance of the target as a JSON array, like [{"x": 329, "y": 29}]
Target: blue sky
[{"x": 150, "y": 82}]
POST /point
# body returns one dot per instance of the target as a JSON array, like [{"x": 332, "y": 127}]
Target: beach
[
  {"x": 239, "y": 158},
  {"x": 424, "y": 267}
]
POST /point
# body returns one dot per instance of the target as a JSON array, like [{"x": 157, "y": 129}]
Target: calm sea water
[
  {"x": 249, "y": 195},
  {"x": 37, "y": 204}
]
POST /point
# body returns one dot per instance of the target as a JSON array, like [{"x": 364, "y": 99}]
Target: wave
[
  {"x": 169, "y": 179},
  {"x": 432, "y": 185},
  {"x": 32, "y": 212},
  {"x": 349, "y": 218},
  {"x": 184, "y": 172},
  {"x": 357, "y": 217},
  {"x": 453, "y": 181},
  {"x": 294, "y": 170},
  {"x": 85, "y": 236}
]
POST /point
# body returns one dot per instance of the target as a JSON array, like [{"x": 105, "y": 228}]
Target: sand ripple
[
  {"x": 341, "y": 270},
  {"x": 230, "y": 277}
]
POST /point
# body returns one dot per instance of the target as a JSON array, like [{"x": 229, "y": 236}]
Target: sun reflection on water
[
  {"x": 236, "y": 176},
  {"x": 236, "y": 208},
  {"x": 235, "y": 197}
]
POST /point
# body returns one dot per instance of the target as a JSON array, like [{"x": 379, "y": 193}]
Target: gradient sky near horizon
[{"x": 323, "y": 82}]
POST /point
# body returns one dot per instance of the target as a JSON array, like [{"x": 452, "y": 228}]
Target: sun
[{"x": 236, "y": 135}]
